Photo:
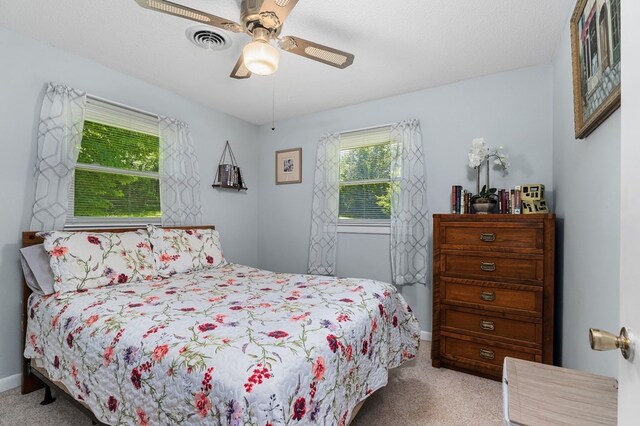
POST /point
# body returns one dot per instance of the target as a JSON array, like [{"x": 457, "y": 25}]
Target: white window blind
[
  {"x": 116, "y": 179},
  {"x": 367, "y": 137},
  {"x": 100, "y": 111},
  {"x": 365, "y": 176}
]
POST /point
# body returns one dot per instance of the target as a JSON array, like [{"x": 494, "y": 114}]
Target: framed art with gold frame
[
  {"x": 289, "y": 166},
  {"x": 595, "y": 54}
]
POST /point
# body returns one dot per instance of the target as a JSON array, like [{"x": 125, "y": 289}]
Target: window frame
[
  {"x": 358, "y": 140},
  {"x": 112, "y": 114}
]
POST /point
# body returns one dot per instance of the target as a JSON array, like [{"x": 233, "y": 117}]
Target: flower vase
[{"x": 483, "y": 205}]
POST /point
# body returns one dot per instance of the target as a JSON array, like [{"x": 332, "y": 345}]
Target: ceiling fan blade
[
  {"x": 274, "y": 12},
  {"x": 189, "y": 13},
  {"x": 317, "y": 52},
  {"x": 240, "y": 72}
]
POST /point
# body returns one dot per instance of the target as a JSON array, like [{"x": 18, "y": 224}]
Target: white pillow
[
  {"x": 83, "y": 260},
  {"x": 178, "y": 251},
  {"x": 36, "y": 268}
]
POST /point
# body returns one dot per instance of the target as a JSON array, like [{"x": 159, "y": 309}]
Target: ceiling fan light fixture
[
  {"x": 261, "y": 19},
  {"x": 260, "y": 57}
]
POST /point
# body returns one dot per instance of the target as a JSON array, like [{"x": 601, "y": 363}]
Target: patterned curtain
[
  {"x": 324, "y": 214},
  {"x": 409, "y": 215},
  {"x": 179, "y": 175},
  {"x": 59, "y": 138}
]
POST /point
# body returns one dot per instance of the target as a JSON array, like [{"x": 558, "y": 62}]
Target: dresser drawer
[
  {"x": 480, "y": 354},
  {"x": 480, "y": 324},
  {"x": 493, "y": 296},
  {"x": 492, "y": 266},
  {"x": 493, "y": 235}
]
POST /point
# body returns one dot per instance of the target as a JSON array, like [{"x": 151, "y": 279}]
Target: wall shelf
[
  {"x": 236, "y": 187},
  {"x": 228, "y": 174}
]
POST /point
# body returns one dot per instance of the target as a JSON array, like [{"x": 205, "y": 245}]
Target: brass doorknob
[{"x": 601, "y": 340}]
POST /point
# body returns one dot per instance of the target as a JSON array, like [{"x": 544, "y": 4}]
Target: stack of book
[
  {"x": 509, "y": 201},
  {"x": 460, "y": 200}
]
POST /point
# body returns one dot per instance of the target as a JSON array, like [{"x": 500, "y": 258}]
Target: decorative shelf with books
[
  {"x": 228, "y": 174},
  {"x": 522, "y": 199}
]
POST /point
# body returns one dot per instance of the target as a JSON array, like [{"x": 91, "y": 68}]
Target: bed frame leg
[{"x": 48, "y": 398}]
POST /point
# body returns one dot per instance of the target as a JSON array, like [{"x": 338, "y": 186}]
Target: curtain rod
[
  {"x": 118, "y": 104},
  {"x": 367, "y": 128}
]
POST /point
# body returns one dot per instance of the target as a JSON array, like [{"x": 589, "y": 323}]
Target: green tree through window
[
  {"x": 117, "y": 173},
  {"x": 365, "y": 182}
]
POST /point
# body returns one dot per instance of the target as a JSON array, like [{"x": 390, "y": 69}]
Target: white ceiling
[{"x": 400, "y": 46}]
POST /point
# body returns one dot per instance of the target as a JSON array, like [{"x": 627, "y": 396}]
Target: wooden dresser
[{"x": 493, "y": 285}]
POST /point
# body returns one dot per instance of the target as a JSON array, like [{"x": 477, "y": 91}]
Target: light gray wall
[
  {"x": 586, "y": 181},
  {"x": 25, "y": 67},
  {"x": 513, "y": 109}
]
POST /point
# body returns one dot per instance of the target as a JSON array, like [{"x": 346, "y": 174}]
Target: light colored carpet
[{"x": 417, "y": 394}]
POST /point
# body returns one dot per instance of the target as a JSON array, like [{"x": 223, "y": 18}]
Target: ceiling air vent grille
[{"x": 205, "y": 38}]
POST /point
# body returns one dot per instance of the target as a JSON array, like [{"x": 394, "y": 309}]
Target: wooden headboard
[{"x": 30, "y": 382}]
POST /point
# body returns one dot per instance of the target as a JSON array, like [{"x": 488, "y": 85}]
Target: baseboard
[
  {"x": 425, "y": 335},
  {"x": 10, "y": 382}
]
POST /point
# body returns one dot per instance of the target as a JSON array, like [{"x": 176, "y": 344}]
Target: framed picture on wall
[
  {"x": 289, "y": 166},
  {"x": 595, "y": 52}
]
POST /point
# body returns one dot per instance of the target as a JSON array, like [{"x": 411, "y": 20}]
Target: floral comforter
[{"x": 234, "y": 345}]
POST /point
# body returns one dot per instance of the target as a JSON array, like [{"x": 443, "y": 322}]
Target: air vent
[{"x": 205, "y": 38}]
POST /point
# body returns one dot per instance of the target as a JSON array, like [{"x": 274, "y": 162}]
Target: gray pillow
[{"x": 36, "y": 268}]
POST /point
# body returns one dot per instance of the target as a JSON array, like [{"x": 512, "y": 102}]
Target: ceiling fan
[{"x": 262, "y": 20}]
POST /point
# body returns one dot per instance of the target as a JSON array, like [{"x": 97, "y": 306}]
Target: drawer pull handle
[
  {"x": 488, "y": 237},
  {"x": 487, "y": 354},
  {"x": 488, "y": 296},
  {"x": 487, "y": 325},
  {"x": 488, "y": 266}
]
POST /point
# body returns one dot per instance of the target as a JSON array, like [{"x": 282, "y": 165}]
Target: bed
[{"x": 228, "y": 345}]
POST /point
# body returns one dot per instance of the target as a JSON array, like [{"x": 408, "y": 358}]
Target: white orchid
[
  {"x": 500, "y": 158},
  {"x": 480, "y": 153}
]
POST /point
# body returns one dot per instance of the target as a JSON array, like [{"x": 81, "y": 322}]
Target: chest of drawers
[{"x": 493, "y": 287}]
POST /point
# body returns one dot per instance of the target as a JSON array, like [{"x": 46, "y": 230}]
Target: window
[
  {"x": 365, "y": 180},
  {"x": 116, "y": 178}
]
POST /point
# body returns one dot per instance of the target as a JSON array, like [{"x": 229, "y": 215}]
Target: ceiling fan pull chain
[{"x": 273, "y": 104}]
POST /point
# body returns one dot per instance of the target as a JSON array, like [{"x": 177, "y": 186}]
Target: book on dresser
[
  {"x": 493, "y": 290},
  {"x": 460, "y": 200}
]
